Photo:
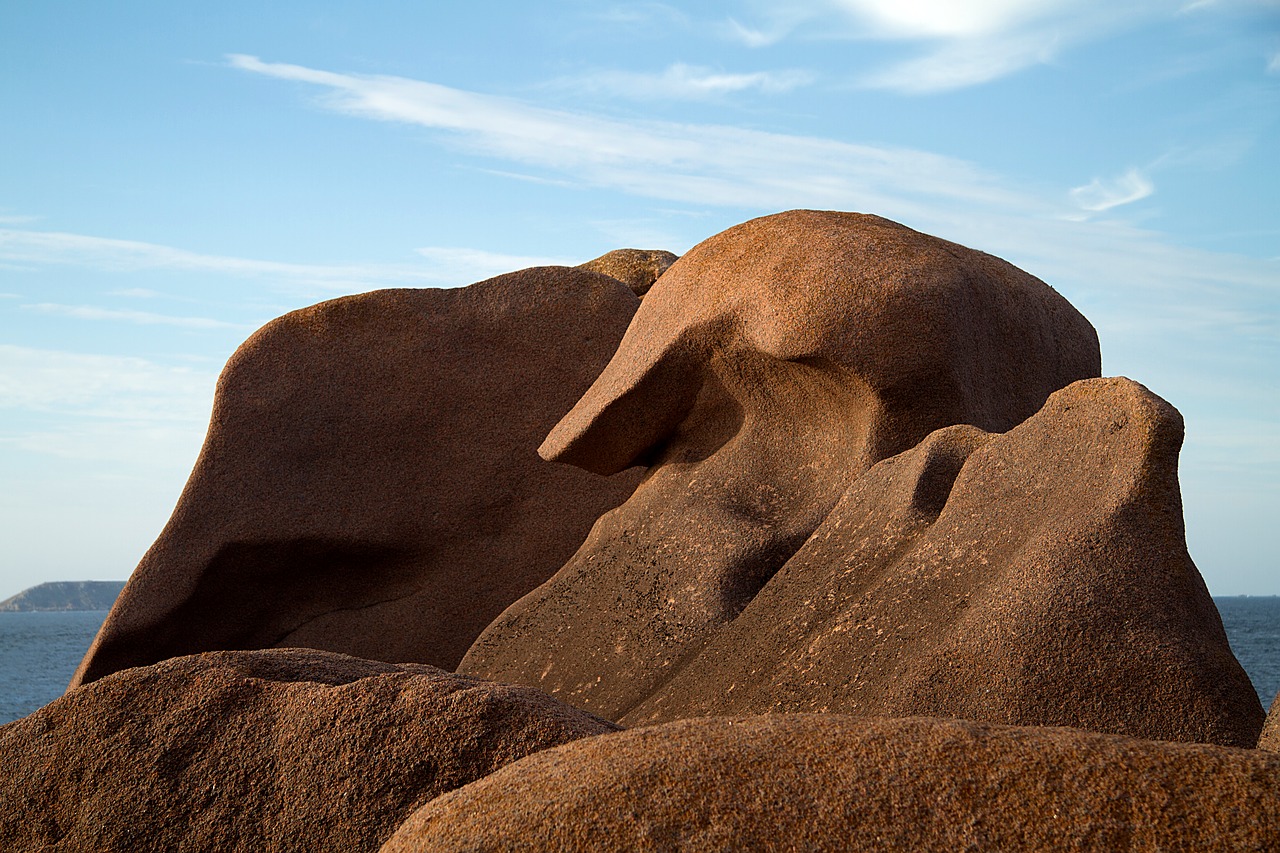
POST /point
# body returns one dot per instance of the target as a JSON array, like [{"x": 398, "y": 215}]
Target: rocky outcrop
[
  {"x": 369, "y": 483},
  {"x": 64, "y": 595},
  {"x": 829, "y": 782},
  {"x": 638, "y": 269},
  {"x": 769, "y": 367},
  {"x": 1270, "y": 737},
  {"x": 278, "y": 750},
  {"x": 1016, "y": 578}
]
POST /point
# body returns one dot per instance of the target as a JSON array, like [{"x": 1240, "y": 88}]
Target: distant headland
[{"x": 65, "y": 595}]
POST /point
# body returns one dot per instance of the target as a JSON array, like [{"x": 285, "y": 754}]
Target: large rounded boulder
[
  {"x": 766, "y": 370},
  {"x": 272, "y": 750},
  {"x": 820, "y": 782},
  {"x": 370, "y": 482}
]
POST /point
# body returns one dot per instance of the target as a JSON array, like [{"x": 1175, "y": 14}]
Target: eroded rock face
[
  {"x": 1270, "y": 737},
  {"x": 830, "y": 782},
  {"x": 767, "y": 369},
  {"x": 370, "y": 483},
  {"x": 277, "y": 750},
  {"x": 638, "y": 269},
  {"x": 1039, "y": 577}
]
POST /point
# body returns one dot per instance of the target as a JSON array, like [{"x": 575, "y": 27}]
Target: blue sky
[{"x": 175, "y": 175}]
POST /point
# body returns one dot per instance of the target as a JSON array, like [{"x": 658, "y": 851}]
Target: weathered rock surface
[
  {"x": 277, "y": 750},
  {"x": 1270, "y": 737},
  {"x": 369, "y": 483},
  {"x": 829, "y": 782},
  {"x": 766, "y": 370},
  {"x": 638, "y": 269},
  {"x": 64, "y": 595},
  {"x": 1039, "y": 577}
]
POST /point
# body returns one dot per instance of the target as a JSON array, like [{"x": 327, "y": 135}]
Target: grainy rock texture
[
  {"x": 370, "y": 482},
  {"x": 1270, "y": 737},
  {"x": 767, "y": 369},
  {"x": 828, "y": 782},
  {"x": 1039, "y": 577},
  {"x": 638, "y": 269},
  {"x": 276, "y": 750}
]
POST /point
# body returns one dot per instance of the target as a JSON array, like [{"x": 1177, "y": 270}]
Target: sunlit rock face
[
  {"x": 266, "y": 750},
  {"x": 1035, "y": 577},
  {"x": 766, "y": 371},
  {"x": 830, "y": 782},
  {"x": 370, "y": 483}
]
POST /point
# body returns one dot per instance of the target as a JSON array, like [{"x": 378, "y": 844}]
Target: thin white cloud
[
  {"x": 959, "y": 43},
  {"x": 1273, "y": 67},
  {"x": 16, "y": 219},
  {"x": 136, "y": 293},
  {"x": 685, "y": 82},
  {"x": 102, "y": 386},
  {"x": 712, "y": 166},
  {"x": 914, "y": 19},
  {"x": 963, "y": 63},
  {"x": 1100, "y": 194},
  {"x": 461, "y": 267},
  {"x": 701, "y": 164},
  {"x": 145, "y": 318},
  {"x": 475, "y": 264}
]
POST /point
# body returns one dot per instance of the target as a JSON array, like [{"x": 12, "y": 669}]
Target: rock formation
[
  {"x": 766, "y": 370},
  {"x": 885, "y": 489},
  {"x": 277, "y": 750},
  {"x": 369, "y": 483},
  {"x": 1270, "y": 737},
  {"x": 829, "y": 782},
  {"x": 638, "y": 269},
  {"x": 1016, "y": 578}
]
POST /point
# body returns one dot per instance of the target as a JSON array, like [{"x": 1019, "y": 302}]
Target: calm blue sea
[{"x": 40, "y": 651}]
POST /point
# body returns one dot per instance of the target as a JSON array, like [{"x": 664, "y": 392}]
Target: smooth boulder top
[
  {"x": 1035, "y": 577},
  {"x": 767, "y": 369},
  {"x": 276, "y": 750},
  {"x": 638, "y": 269},
  {"x": 818, "y": 782},
  {"x": 369, "y": 483},
  {"x": 937, "y": 333}
]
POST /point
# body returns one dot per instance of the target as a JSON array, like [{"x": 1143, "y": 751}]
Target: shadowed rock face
[
  {"x": 638, "y": 269},
  {"x": 1039, "y": 577},
  {"x": 369, "y": 483},
  {"x": 276, "y": 750},
  {"x": 1270, "y": 737},
  {"x": 830, "y": 782},
  {"x": 767, "y": 369}
]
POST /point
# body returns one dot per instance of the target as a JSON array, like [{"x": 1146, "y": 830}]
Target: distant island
[{"x": 65, "y": 595}]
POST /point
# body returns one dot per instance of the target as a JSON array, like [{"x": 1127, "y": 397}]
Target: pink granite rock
[{"x": 370, "y": 482}]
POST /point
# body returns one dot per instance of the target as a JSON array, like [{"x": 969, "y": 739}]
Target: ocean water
[{"x": 39, "y": 652}]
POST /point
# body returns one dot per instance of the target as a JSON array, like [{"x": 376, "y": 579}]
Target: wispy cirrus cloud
[
  {"x": 713, "y": 165},
  {"x": 1103, "y": 194},
  {"x": 703, "y": 164},
  {"x": 450, "y": 267},
  {"x": 102, "y": 386},
  {"x": 958, "y": 44},
  {"x": 474, "y": 264},
  {"x": 681, "y": 81},
  {"x": 144, "y": 318}
]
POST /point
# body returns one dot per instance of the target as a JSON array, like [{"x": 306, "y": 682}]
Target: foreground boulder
[
  {"x": 369, "y": 483},
  {"x": 279, "y": 750},
  {"x": 827, "y": 782},
  {"x": 766, "y": 370},
  {"x": 1039, "y": 577}
]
